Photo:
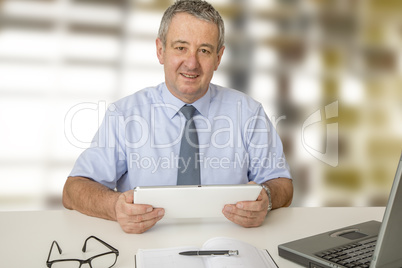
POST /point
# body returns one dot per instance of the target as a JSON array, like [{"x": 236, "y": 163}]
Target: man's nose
[{"x": 192, "y": 61}]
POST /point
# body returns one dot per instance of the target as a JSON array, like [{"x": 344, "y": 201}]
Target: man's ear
[
  {"x": 159, "y": 50},
  {"x": 220, "y": 54}
]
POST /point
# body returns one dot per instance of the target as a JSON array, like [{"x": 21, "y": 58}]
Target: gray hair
[{"x": 197, "y": 8}]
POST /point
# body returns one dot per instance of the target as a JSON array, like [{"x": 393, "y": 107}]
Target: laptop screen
[{"x": 388, "y": 250}]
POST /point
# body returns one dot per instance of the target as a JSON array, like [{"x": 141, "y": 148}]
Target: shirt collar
[{"x": 174, "y": 104}]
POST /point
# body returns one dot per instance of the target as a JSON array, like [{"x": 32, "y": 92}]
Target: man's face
[{"x": 190, "y": 56}]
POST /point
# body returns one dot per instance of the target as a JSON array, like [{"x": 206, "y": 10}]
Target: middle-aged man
[{"x": 139, "y": 141}]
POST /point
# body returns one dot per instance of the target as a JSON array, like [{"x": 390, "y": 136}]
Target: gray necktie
[{"x": 189, "y": 166}]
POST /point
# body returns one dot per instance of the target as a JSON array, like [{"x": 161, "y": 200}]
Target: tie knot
[{"x": 188, "y": 111}]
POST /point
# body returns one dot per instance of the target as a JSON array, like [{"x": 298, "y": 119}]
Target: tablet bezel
[{"x": 195, "y": 201}]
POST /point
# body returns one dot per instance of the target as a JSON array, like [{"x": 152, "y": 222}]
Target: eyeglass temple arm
[
  {"x": 84, "y": 248},
  {"x": 51, "y": 248}
]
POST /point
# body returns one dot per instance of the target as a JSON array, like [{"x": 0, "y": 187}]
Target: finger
[
  {"x": 136, "y": 218},
  {"x": 260, "y": 204},
  {"x": 249, "y": 214},
  {"x": 134, "y": 213},
  {"x": 139, "y": 227},
  {"x": 252, "y": 220},
  {"x": 137, "y": 209},
  {"x": 156, "y": 213},
  {"x": 261, "y": 193},
  {"x": 232, "y": 211},
  {"x": 129, "y": 208},
  {"x": 246, "y": 212},
  {"x": 141, "y": 222}
]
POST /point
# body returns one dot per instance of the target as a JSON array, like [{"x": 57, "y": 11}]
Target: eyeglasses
[{"x": 104, "y": 260}]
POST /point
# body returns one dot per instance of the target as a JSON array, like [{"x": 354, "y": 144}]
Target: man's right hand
[{"x": 136, "y": 218}]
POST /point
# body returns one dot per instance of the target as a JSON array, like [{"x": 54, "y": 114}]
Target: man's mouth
[{"x": 189, "y": 75}]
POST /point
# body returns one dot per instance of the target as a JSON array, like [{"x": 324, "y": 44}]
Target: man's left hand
[{"x": 248, "y": 213}]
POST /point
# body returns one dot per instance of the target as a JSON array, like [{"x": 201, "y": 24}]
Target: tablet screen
[{"x": 198, "y": 201}]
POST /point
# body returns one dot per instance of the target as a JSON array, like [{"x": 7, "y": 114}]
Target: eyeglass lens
[{"x": 103, "y": 261}]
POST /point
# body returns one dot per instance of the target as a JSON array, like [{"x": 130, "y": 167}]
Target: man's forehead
[{"x": 177, "y": 27}]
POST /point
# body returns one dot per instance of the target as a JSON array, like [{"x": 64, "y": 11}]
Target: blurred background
[{"x": 328, "y": 73}]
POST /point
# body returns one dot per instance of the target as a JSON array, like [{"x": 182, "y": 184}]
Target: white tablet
[{"x": 195, "y": 201}]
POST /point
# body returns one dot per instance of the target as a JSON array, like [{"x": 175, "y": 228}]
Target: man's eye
[
  {"x": 180, "y": 48},
  {"x": 204, "y": 51}
]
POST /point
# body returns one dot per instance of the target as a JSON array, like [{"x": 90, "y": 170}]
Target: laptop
[{"x": 370, "y": 244}]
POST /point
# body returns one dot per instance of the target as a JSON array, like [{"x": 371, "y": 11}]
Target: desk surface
[{"x": 26, "y": 236}]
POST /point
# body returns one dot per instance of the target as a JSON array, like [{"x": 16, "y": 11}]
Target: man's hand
[
  {"x": 136, "y": 218},
  {"x": 248, "y": 213}
]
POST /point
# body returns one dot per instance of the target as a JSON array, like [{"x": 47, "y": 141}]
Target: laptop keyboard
[{"x": 353, "y": 255}]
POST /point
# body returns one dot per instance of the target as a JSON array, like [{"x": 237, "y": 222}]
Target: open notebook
[{"x": 249, "y": 256}]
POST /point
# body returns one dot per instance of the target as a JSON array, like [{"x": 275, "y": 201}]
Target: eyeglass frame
[{"x": 84, "y": 249}]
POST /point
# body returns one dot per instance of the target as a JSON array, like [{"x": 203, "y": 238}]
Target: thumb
[
  {"x": 129, "y": 196},
  {"x": 259, "y": 198}
]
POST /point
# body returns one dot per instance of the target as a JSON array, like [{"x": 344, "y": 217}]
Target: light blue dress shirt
[{"x": 138, "y": 143}]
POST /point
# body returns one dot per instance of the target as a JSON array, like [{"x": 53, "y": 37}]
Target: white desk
[{"x": 26, "y": 236}]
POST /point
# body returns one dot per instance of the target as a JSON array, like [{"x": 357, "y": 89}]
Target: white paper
[{"x": 249, "y": 256}]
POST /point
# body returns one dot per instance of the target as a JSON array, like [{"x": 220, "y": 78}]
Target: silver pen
[{"x": 210, "y": 253}]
